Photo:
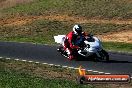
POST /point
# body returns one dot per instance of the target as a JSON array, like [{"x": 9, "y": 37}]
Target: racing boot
[
  {"x": 60, "y": 49},
  {"x": 71, "y": 57}
]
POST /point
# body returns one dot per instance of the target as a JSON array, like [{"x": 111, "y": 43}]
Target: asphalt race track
[{"x": 119, "y": 63}]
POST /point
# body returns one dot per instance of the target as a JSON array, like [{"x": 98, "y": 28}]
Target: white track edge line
[
  {"x": 17, "y": 59},
  {"x": 24, "y": 60},
  {"x": 64, "y": 66},
  {"x": 59, "y": 66},
  {"x": 37, "y": 62},
  {"x": 45, "y": 63},
  {"x": 107, "y": 73},
  {"x": 51, "y": 64},
  {"x": 30, "y": 61},
  {"x": 8, "y": 58},
  {"x": 1, "y": 57}
]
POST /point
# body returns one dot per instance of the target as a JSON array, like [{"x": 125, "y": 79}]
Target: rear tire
[{"x": 105, "y": 55}]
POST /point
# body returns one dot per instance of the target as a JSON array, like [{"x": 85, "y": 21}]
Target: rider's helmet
[{"x": 77, "y": 29}]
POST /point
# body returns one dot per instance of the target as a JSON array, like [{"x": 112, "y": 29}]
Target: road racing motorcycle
[{"x": 90, "y": 49}]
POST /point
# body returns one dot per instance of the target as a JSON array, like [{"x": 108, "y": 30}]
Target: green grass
[
  {"x": 45, "y": 29},
  {"x": 88, "y": 8},
  {"x": 42, "y": 31},
  {"x": 21, "y": 80},
  {"x": 118, "y": 46},
  {"x": 17, "y": 74}
]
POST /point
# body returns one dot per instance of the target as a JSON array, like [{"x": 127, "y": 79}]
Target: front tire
[{"x": 61, "y": 50}]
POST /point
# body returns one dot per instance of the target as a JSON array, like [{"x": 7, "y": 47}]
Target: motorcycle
[{"x": 90, "y": 47}]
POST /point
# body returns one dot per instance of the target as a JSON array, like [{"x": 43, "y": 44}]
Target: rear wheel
[{"x": 104, "y": 55}]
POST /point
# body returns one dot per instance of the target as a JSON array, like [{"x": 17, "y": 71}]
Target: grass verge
[
  {"x": 17, "y": 74},
  {"x": 88, "y": 8},
  {"x": 118, "y": 46},
  {"x": 43, "y": 31}
]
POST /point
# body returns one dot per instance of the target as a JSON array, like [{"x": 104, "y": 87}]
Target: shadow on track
[
  {"x": 115, "y": 61},
  {"x": 110, "y": 61}
]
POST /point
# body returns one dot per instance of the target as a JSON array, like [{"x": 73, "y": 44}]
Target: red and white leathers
[{"x": 70, "y": 43}]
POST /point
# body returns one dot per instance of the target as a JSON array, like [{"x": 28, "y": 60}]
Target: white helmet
[{"x": 77, "y": 29}]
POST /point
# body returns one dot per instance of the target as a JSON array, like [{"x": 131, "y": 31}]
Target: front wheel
[{"x": 61, "y": 50}]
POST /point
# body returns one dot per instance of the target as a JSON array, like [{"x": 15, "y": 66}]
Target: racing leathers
[{"x": 72, "y": 42}]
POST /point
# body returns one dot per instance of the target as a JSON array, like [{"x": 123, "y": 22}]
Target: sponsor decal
[{"x": 102, "y": 78}]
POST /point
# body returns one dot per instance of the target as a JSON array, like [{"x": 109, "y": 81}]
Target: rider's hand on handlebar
[{"x": 78, "y": 48}]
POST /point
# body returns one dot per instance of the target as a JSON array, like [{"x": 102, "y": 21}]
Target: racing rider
[{"x": 73, "y": 40}]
